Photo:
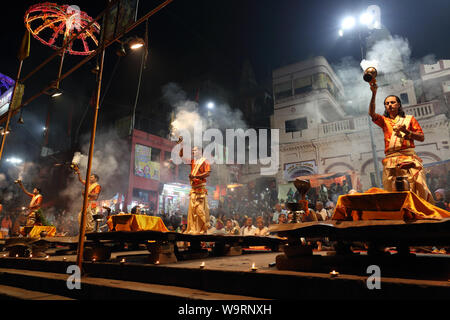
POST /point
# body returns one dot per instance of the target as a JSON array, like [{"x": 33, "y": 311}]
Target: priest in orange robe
[
  {"x": 93, "y": 193},
  {"x": 33, "y": 218},
  {"x": 400, "y": 131},
  {"x": 198, "y": 212}
]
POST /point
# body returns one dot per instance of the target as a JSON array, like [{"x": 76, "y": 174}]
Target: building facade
[{"x": 318, "y": 138}]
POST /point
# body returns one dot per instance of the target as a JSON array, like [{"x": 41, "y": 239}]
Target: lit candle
[
  {"x": 123, "y": 260},
  {"x": 157, "y": 262},
  {"x": 17, "y": 255},
  {"x": 334, "y": 273},
  {"x": 254, "y": 268},
  {"x": 31, "y": 256},
  {"x": 202, "y": 265},
  {"x": 46, "y": 257}
]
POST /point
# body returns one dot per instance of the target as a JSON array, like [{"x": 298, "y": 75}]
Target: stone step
[
  {"x": 9, "y": 292},
  {"x": 55, "y": 284}
]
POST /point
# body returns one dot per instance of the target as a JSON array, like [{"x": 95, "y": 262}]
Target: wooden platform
[
  {"x": 375, "y": 235},
  {"x": 162, "y": 246},
  {"x": 383, "y": 232},
  {"x": 144, "y": 236}
]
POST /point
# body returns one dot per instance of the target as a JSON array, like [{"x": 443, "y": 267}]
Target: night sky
[
  {"x": 186, "y": 34},
  {"x": 189, "y": 39}
]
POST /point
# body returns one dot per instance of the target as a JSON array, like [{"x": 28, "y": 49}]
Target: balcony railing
[{"x": 419, "y": 111}]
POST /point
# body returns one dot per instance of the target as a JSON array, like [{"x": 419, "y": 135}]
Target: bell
[{"x": 370, "y": 74}]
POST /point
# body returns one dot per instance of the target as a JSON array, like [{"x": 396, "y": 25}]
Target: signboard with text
[{"x": 143, "y": 166}]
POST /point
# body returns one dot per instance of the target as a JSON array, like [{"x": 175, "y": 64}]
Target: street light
[
  {"x": 348, "y": 23},
  {"x": 133, "y": 43},
  {"x": 210, "y": 105},
  {"x": 56, "y": 93},
  {"x": 136, "y": 43}
]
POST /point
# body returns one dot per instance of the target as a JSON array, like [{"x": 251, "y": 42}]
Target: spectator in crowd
[
  {"x": 323, "y": 193},
  {"x": 282, "y": 218},
  {"x": 212, "y": 220},
  {"x": 218, "y": 229},
  {"x": 290, "y": 217},
  {"x": 439, "y": 198},
  {"x": 249, "y": 229},
  {"x": 277, "y": 212},
  {"x": 235, "y": 219},
  {"x": 230, "y": 228},
  {"x": 329, "y": 206},
  {"x": 320, "y": 211},
  {"x": 261, "y": 230}
]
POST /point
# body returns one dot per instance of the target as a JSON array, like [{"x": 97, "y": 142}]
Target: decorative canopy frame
[{"x": 53, "y": 24}]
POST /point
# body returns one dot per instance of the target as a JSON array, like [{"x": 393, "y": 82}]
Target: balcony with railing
[{"x": 419, "y": 111}]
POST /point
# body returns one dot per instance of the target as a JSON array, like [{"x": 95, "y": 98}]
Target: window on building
[
  {"x": 323, "y": 81},
  {"x": 296, "y": 125},
  {"x": 155, "y": 155},
  {"x": 302, "y": 85},
  {"x": 283, "y": 90},
  {"x": 404, "y": 98}
]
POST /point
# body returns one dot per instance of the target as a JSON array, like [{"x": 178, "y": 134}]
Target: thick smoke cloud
[
  {"x": 189, "y": 114},
  {"x": 110, "y": 163},
  {"x": 393, "y": 60}
]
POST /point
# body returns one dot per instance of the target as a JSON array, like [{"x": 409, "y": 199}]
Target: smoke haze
[{"x": 393, "y": 60}]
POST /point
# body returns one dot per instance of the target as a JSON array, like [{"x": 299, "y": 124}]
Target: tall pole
[
  {"x": 8, "y": 119},
  {"x": 133, "y": 114},
  {"x": 89, "y": 165}
]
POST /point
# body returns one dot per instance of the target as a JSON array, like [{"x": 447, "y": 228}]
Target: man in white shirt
[
  {"x": 278, "y": 210},
  {"x": 249, "y": 229},
  {"x": 320, "y": 210},
  {"x": 261, "y": 230}
]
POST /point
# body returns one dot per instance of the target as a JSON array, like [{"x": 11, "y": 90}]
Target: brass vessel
[{"x": 370, "y": 74}]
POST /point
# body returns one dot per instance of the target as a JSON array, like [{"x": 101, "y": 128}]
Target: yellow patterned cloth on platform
[
  {"x": 377, "y": 204},
  {"x": 36, "y": 231},
  {"x": 136, "y": 222}
]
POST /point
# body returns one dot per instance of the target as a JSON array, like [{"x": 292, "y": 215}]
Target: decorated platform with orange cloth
[
  {"x": 36, "y": 231},
  {"x": 135, "y": 222},
  {"x": 377, "y": 203}
]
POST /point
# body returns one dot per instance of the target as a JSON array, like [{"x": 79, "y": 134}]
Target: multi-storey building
[{"x": 318, "y": 138}]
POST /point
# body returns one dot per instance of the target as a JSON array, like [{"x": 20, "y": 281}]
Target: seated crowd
[{"x": 256, "y": 225}]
